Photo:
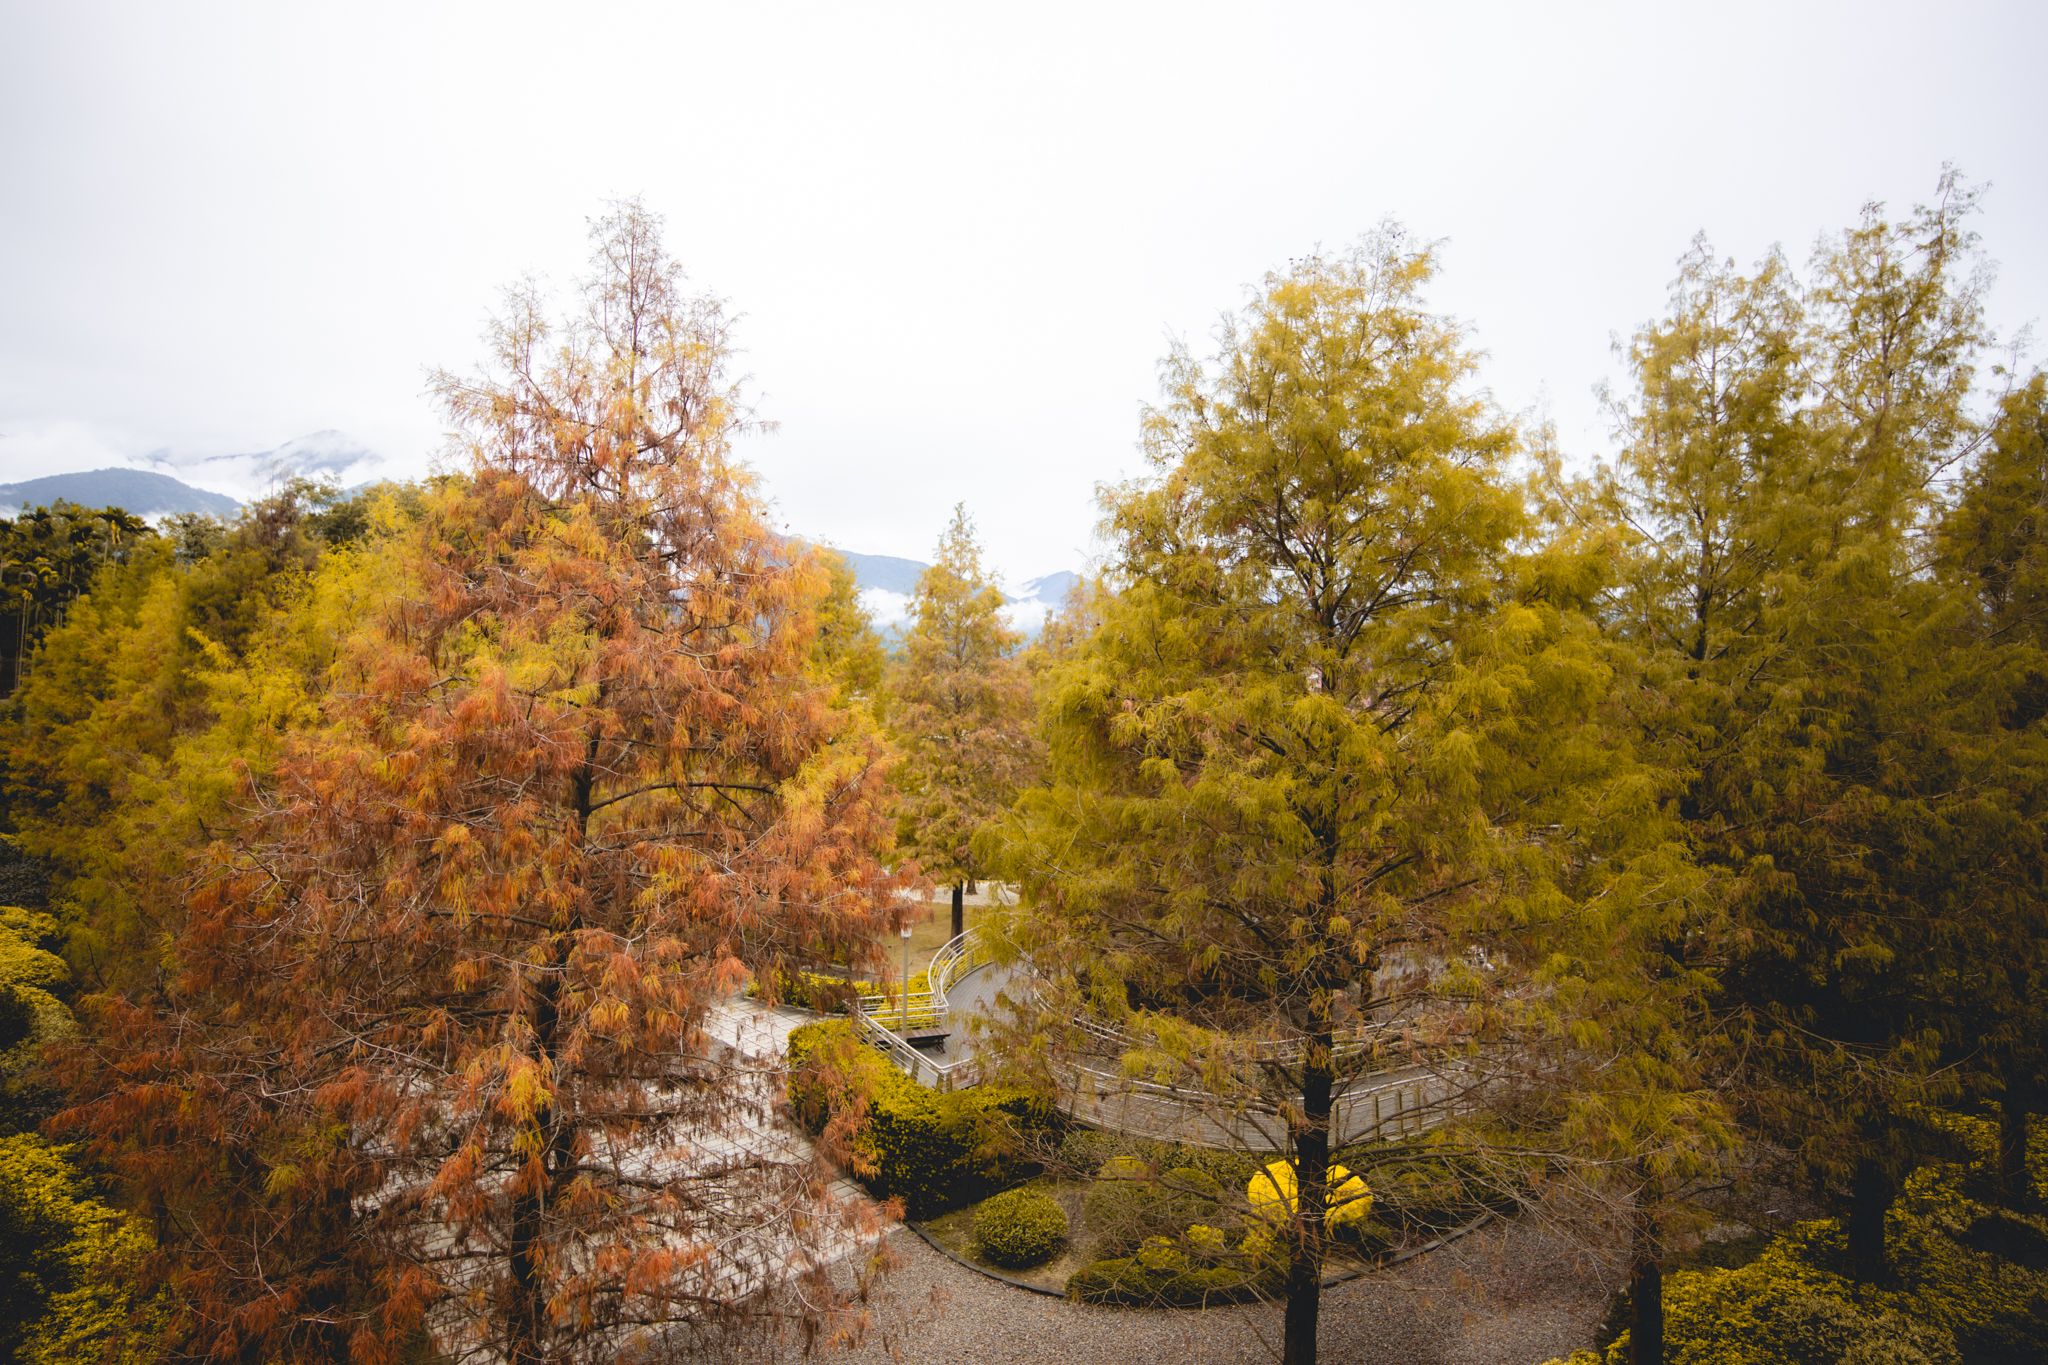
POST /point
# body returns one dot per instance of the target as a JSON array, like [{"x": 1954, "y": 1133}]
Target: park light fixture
[{"x": 903, "y": 1021}]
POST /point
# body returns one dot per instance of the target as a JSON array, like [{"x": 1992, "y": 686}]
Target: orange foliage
[{"x": 432, "y": 1059}]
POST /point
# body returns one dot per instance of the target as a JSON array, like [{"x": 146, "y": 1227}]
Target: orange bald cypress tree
[{"x": 435, "y": 1043}]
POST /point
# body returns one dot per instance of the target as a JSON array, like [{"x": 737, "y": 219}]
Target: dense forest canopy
[{"x": 384, "y": 855}]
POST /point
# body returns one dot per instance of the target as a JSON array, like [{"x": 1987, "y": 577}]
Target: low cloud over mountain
[
  {"x": 174, "y": 482},
  {"x": 320, "y": 455},
  {"x": 887, "y": 583}
]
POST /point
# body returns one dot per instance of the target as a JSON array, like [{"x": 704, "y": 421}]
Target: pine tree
[
  {"x": 1995, "y": 540},
  {"x": 960, "y": 708},
  {"x": 848, "y": 651},
  {"x": 173, "y": 668}
]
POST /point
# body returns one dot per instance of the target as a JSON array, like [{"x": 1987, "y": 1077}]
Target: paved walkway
[{"x": 1510, "y": 1295}]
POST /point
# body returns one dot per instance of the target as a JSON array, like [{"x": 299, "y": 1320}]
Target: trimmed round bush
[
  {"x": 1018, "y": 1229},
  {"x": 1197, "y": 1190},
  {"x": 1275, "y": 1195}
]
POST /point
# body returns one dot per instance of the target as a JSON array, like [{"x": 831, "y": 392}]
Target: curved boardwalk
[{"x": 1385, "y": 1104}]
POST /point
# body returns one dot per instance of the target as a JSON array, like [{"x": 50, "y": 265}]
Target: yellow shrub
[{"x": 1275, "y": 1195}]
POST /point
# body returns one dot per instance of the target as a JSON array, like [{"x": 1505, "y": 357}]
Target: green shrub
[
  {"x": 1083, "y": 1150},
  {"x": 1194, "y": 1187},
  {"x": 1964, "y": 1292},
  {"x": 1430, "y": 1194},
  {"x": 934, "y": 1151},
  {"x": 830, "y": 1070},
  {"x": 1163, "y": 1274},
  {"x": 1130, "y": 1202},
  {"x": 1019, "y": 1229}
]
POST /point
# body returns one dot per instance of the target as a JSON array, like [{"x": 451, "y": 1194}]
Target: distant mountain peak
[
  {"x": 144, "y": 492},
  {"x": 888, "y": 582}
]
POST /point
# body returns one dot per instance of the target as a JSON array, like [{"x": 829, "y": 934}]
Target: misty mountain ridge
[
  {"x": 888, "y": 582},
  {"x": 144, "y": 492},
  {"x": 167, "y": 482}
]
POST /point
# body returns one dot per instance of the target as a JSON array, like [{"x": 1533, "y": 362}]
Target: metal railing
[
  {"x": 928, "y": 1008},
  {"x": 885, "y": 1020},
  {"x": 1376, "y": 1107},
  {"x": 920, "y": 1066},
  {"x": 904, "y": 1011},
  {"x": 958, "y": 956},
  {"x": 1397, "y": 1102}
]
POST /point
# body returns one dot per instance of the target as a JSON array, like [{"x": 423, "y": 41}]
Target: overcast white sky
[{"x": 960, "y": 236}]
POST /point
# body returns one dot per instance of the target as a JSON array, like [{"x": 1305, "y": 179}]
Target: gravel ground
[{"x": 1511, "y": 1295}]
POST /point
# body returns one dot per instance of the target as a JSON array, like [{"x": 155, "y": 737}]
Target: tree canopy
[{"x": 1328, "y": 776}]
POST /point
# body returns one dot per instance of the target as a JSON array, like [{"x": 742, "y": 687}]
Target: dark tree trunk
[
  {"x": 959, "y": 909},
  {"x": 1870, "y": 1198},
  {"x": 1646, "y": 1292},
  {"x": 2015, "y": 1108},
  {"x": 1312, "y": 1177},
  {"x": 528, "y": 1325}
]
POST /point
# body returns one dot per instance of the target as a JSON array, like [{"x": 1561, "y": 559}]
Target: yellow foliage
[
  {"x": 76, "y": 1260},
  {"x": 1275, "y": 1195}
]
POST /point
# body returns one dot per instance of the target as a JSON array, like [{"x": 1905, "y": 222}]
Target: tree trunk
[
  {"x": 527, "y": 1326},
  {"x": 2015, "y": 1109},
  {"x": 1870, "y": 1197},
  {"x": 527, "y": 1329},
  {"x": 1312, "y": 1178},
  {"x": 1646, "y": 1289},
  {"x": 959, "y": 909}
]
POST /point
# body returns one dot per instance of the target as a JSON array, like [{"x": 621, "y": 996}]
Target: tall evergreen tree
[
  {"x": 48, "y": 556},
  {"x": 1995, "y": 539},
  {"x": 1782, "y": 453},
  {"x": 848, "y": 651},
  {"x": 960, "y": 707},
  {"x": 1321, "y": 787}
]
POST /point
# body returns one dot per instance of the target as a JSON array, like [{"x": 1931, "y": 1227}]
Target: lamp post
[{"x": 903, "y": 1024}]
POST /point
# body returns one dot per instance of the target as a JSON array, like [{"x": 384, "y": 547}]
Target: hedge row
[{"x": 934, "y": 1151}]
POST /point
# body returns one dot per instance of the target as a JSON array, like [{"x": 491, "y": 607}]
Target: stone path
[{"x": 1509, "y": 1295}]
